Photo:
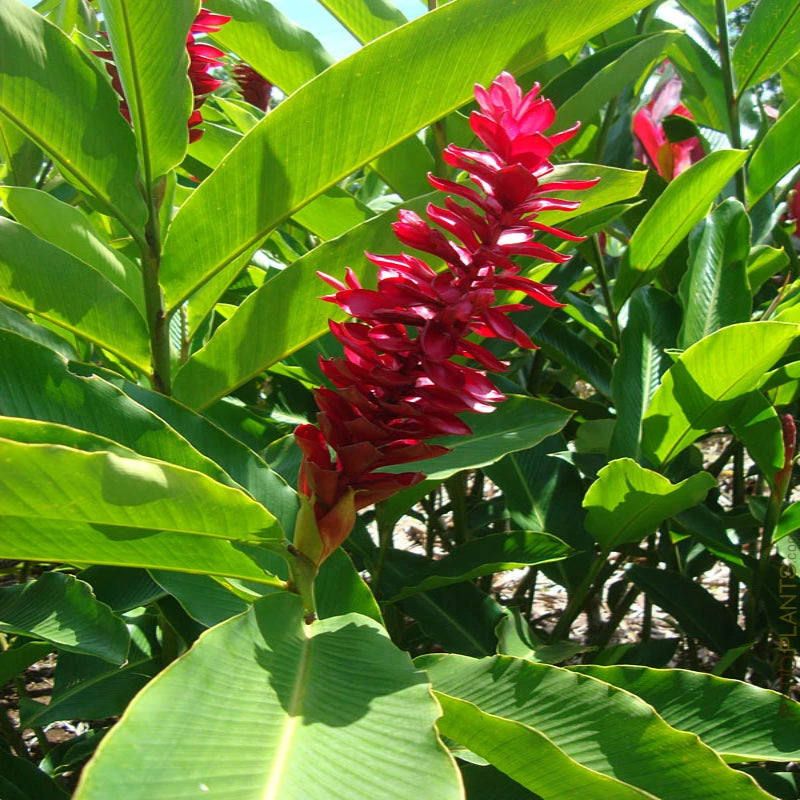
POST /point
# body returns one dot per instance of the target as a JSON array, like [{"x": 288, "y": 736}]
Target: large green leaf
[
  {"x": 14, "y": 322},
  {"x": 767, "y": 42},
  {"x": 516, "y": 424},
  {"x": 628, "y": 502},
  {"x": 86, "y": 687},
  {"x": 714, "y": 292},
  {"x": 606, "y": 83},
  {"x": 22, "y": 780},
  {"x": 739, "y": 721},
  {"x": 758, "y": 427},
  {"x": 81, "y": 300},
  {"x": 62, "y": 610},
  {"x": 270, "y": 42},
  {"x": 126, "y": 495},
  {"x": 652, "y": 328},
  {"x": 483, "y": 556},
  {"x": 705, "y": 387},
  {"x": 226, "y": 452},
  {"x": 67, "y": 227},
  {"x": 683, "y": 204},
  {"x": 148, "y": 39},
  {"x": 602, "y": 728},
  {"x": 316, "y": 705},
  {"x": 270, "y": 174},
  {"x": 39, "y": 385},
  {"x": 521, "y": 752},
  {"x": 55, "y": 97},
  {"x": 697, "y": 611},
  {"x": 775, "y": 155},
  {"x": 365, "y": 19},
  {"x": 22, "y": 158}
]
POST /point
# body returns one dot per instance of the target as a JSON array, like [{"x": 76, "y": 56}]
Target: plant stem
[
  {"x": 578, "y": 599},
  {"x": 732, "y": 100},
  {"x": 385, "y": 541},
  {"x": 456, "y": 491},
  {"x": 12, "y": 735},
  {"x": 617, "y": 615},
  {"x": 302, "y": 573},
  {"x": 605, "y": 129},
  {"x": 602, "y": 276},
  {"x": 762, "y": 568}
]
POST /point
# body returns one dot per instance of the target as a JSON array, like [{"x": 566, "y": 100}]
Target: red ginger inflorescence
[
  {"x": 397, "y": 384},
  {"x": 202, "y": 57}
]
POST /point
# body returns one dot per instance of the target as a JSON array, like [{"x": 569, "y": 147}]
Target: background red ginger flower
[
  {"x": 651, "y": 145},
  {"x": 255, "y": 88},
  {"x": 202, "y": 57},
  {"x": 397, "y": 384}
]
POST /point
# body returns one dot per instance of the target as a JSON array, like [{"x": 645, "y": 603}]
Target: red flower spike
[
  {"x": 255, "y": 88},
  {"x": 402, "y": 379},
  {"x": 202, "y": 57}
]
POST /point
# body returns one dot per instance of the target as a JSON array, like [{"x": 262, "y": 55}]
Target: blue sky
[{"x": 311, "y": 15}]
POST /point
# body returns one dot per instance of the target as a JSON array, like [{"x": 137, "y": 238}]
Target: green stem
[
  {"x": 12, "y": 735},
  {"x": 385, "y": 542},
  {"x": 578, "y": 599},
  {"x": 457, "y": 492},
  {"x": 617, "y": 615},
  {"x": 731, "y": 98},
  {"x": 605, "y": 129},
  {"x": 302, "y": 573},
  {"x": 762, "y": 568},
  {"x": 602, "y": 276}
]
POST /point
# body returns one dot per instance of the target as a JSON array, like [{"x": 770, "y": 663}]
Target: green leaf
[
  {"x": 602, "y": 728},
  {"x": 706, "y": 386},
  {"x": 767, "y": 42},
  {"x": 148, "y": 39},
  {"x": 758, "y": 427},
  {"x": 683, "y": 204},
  {"x": 63, "y": 505},
  {"x": 22, "y": 780},
  {"x": 56, "y": 483},
  {"x": 14, "y": 322},
  {"x": 567, "y": 348},
  {"x": 483, "y": 556},
  {"x": 607, "y": 82},
  {"x": 652, "y": 329},
  {"x": 336, "y": 692},
  {"x": 739, "y": 721},
  {"x": 270, "y": 42},
  {"x": 776, "y": 154},
  {"x": 762, "y": 263},
  {"x": 516, "y": 424},
  {"x": 339, "y": 589},
  {"x": 62, "y": 610},
  {"x": 22, "y": 159},
  {"x": 122, "y": 588},
  {"x": 203, "y": 598},
  {"x": 628, "y": 502},
  {"x": 42, "y": 70},
  {"x": 789, "y": 521},
  {"x": 226, "y": 452},
  {"x": 460, "y": 617},
  {"x": 88, "y": 404},
  {"x": 88, "y": 688},
  {"x": 17, "y": 658},
  {"x": 520, "y": 752},
  {"x": 714, "y": 291},
  {"x": 269, "y": 174},
  {"x": 366, "y": 19},
  {"x": 81, "y": 301},
  {"x": 67, "y": 227},
  {"x": 696, "y": 610},
  {"x": 543, "y": 492}
]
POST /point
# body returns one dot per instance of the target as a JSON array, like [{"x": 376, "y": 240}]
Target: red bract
[
  {"x": 651, "y": 145},
  {"x": 255, "y": 88},
  {"x": 202, "y": 57},
  {"x": 793, "y": 210},
  {"x": 399, "y": 383}
]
